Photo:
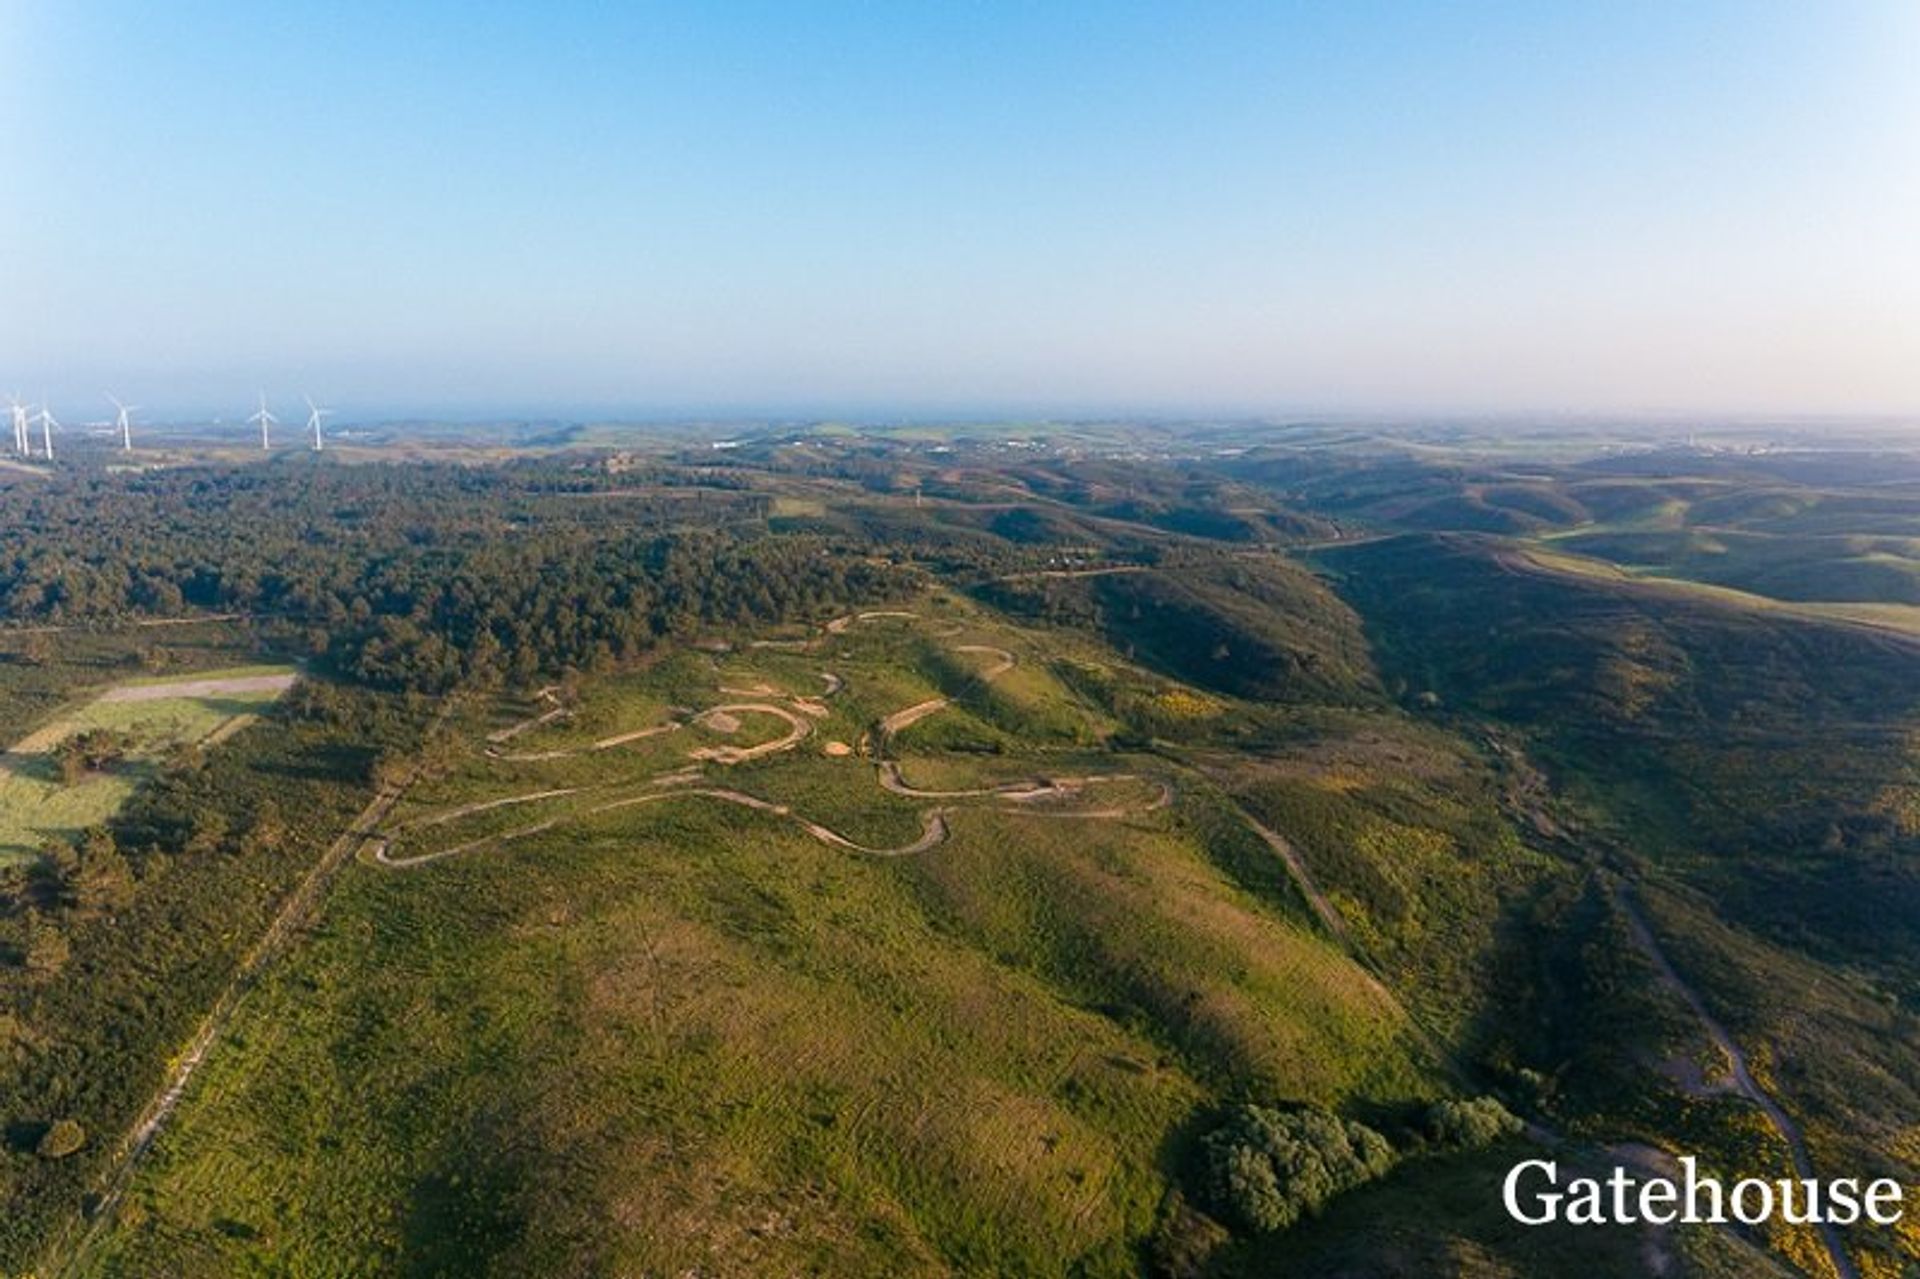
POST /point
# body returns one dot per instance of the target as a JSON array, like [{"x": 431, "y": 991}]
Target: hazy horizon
[{"x": 665, "y": 213}]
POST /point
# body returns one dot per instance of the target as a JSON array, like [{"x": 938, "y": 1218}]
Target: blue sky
[{"x": 982, "y": 208}]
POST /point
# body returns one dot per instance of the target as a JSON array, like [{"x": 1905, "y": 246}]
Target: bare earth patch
[
  {"x": 200, "y": 688},
  {"x": 720, "y": 722}
]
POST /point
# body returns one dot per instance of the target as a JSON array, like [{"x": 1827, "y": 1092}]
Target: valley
[
  {"x": 959, "y": 641},
  {"x": 819, "y": 877}
]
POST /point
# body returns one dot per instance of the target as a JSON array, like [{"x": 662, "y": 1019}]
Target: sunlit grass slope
[{"x": 690, "y": 1037}]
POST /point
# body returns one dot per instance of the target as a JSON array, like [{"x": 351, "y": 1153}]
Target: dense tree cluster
[
  {"x": 425, "y": 577},
  {"x": 509, "y": 613},
  {"x": 1264, "y": 1169}
]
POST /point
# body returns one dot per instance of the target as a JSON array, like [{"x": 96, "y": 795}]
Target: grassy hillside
[
  {"x": 1673, "y": 716},
  {"x": 1788, "y": 566},
  {"x": 1252, "y": 627},
  {"x": 688, "y": 1034},
  {"x": 1755, "y": 767}
]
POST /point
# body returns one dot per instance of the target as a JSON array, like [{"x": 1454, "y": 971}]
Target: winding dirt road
[
  {"x": 839, "y": 625},
  {"x": 797, "y": 731},
  {"x": 1748, "y": 1087},
  {"x": 141, "y": 623},
  {"x": 468, "y": 810},
  {"x": 933, "y": 821},
  {"x": 1003, "y": 661},
  {"x": 1023, "y": 797},
  {"x": 891, "y": 780},
  {"x": 902, "y": 720}
]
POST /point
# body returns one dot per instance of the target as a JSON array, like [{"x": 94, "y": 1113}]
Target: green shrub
[
  {"x": 61, "y": 1140},
  {"x": 90, "y": 752},
  {"x": 1469, "y": 1125},
  {"x": 1264, "y": 1169}
]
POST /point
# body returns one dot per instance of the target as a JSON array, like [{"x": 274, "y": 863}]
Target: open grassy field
[
  {"x": 43, "y": 674},
  {"x": 154, "y": 716}
]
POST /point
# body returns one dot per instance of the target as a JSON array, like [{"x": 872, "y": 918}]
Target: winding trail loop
[
  {"x": 1003, "y": 660},
  {"x": 797, "y": 731},
  {"x": 933, "y": 826},
  {"x": 1026, "y": 798}
]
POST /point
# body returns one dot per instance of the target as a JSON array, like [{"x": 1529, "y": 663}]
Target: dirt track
[
  {"x": 1302, "y": 879},
  {"x": 468, "y": 810},
  {"x": 1023, "y": 798},
  {"x": 933, "y": 821},
  {"x": 797, "y": 731},
  {"x": 839, "y": 625},
  {"x": 902, "y": 720},
  {"x": 133, "y": 1147},
  {"x": 1003, "y": 660},
  {"x": 1749, "y": 1087},
  {"x": 891, "y": 780},
  {"x": 141, "y": 623},
  {"x": 557, "y": 711}
]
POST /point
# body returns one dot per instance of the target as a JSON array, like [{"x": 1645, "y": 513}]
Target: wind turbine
[
  {"x": 265, "y": 419},
  {"x": 314, "y": 414},
  {"x": 20, "y": 417},
  {"x": 47, "y": 422},
  {"x": 124, "y": 423}
]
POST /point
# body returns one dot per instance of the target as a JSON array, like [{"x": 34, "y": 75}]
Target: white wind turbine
[
  {"x": 47, "y": 422},
  {"x": 125, "y": 424},
  {"x": 314, "y": 414},
  {"x": 21, "y": 417},
  {"x": 266, "y": 420}
]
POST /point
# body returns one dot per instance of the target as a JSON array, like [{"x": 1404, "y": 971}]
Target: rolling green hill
[
  {"x": 927, "y": 851},
  {"x": 688, "y": 1034},
  {"x": 1756, "y": 766}
]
